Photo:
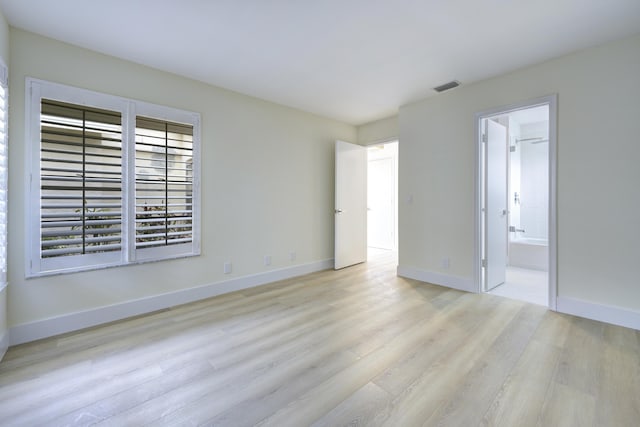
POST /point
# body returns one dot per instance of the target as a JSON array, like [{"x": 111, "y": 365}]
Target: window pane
[
  {"x": 164, "y": 183},
  {"x": 81, "y": 180}
]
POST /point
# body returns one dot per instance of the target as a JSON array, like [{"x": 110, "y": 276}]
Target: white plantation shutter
[
  {"x": 3, "y": 176},
  {"x": 81, "y": 180},
  {"x": 164, "y": 183}
]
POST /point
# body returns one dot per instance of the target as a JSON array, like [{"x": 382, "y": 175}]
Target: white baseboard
[
  {"x": 75, "y": 321},
  {"x": 454, "y": 282},
  {"x": 603, "y": 313}
]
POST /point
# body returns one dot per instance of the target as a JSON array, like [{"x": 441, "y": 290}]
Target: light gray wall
[
  {"x": 383, "y": 130},
  {"x": 598, "y": 171},
  {"x": 267, "y": 183},
  {"x": 4, "y": 39}
]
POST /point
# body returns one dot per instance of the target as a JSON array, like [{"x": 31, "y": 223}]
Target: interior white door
[
  {"x": 380, "y": 201},
  {"x": 350, "y": 205},
  {"x": 496, "y": 234}
]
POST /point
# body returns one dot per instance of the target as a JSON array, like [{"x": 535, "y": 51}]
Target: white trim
[
  {"x": 31, "y": 158},
  {"x": 552, "y": 102},
  {"x": 4, "y": 74},
  {"x": 477, "y": 223},
  {"x": 603, "y": 313},
  {"x": 4, "y": 178},
  {"x": 4, "y": 344},
  {"x": 553, "y": 202},
  {"x": 4, "y": 225},
  {"x": 460, "y": 283},
  {"x": 74, "y": 321},
  {"x": 196, "y": 190},
  {"x": 128, "y": 176}
]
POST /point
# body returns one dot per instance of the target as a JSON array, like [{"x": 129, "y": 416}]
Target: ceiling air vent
[{"x": 447, "y": 86}]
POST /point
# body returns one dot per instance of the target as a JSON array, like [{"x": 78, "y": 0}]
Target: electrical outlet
[
  {"x": 227, "y": 268},
  {"x": 292, "y": 256},
  {"x": 267, "y": 260},
  {"x": 445, "y": 263}
]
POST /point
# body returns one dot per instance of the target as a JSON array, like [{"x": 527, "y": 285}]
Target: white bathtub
[{"x": 529, "y": 253}]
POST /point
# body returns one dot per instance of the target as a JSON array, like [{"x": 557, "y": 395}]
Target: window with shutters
[{"x": 113, "y": 181}]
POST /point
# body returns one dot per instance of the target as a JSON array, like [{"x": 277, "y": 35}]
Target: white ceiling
[{"x": 353, "y": 60}]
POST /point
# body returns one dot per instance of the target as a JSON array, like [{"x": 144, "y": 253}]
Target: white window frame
[
  {"x": 36, "y": 266},
  {"x": 159, "y": 112},
  {"x": 4, "y": 174}
]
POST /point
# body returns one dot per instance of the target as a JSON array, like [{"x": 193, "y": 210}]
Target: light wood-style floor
[{"x": 358, "y": 346}]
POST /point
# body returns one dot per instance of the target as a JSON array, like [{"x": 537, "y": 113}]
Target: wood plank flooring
[{"x": 358, "y": 346}]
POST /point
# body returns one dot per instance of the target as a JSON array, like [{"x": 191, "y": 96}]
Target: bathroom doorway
[
  {"x": 382, "y": 206},
  {"x": 516, "y": 202}
]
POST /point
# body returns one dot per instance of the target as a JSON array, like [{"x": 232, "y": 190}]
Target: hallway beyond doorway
[{"x": 382, "y": 196}]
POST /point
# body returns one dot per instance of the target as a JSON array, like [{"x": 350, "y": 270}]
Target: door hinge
[
  {"x": 484, "y": 263},
  {"x": 484, "y": 137}
]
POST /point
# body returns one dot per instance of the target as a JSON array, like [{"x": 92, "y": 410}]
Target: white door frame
[{"x": 552, "y": 102}]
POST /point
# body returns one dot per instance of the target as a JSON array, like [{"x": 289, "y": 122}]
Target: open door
[
  {"x": 495, "y": 204},
  {"x": 350, "y": 205}
]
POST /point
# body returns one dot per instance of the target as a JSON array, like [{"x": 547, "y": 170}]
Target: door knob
[{"x": 338, "y": 211}]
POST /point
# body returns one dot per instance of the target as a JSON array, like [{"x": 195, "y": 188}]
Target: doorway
[
  {"x": 382, "y": 191},
  {"x": 515, "y": 203}
]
